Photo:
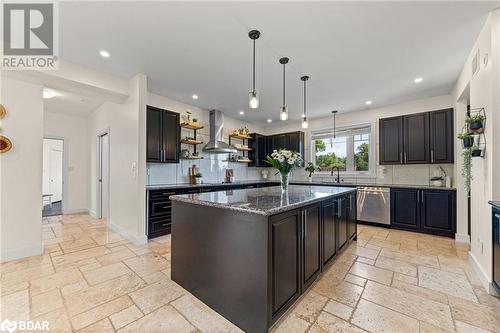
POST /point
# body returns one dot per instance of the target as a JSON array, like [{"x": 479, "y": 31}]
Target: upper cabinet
[
  {"x": 420, "y": 138},
  {"x": 162, "y": 136},
  {"x": 264, "y": 145}
]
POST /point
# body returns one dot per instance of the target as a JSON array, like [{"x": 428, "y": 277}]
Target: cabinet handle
[
  {"x": 305, "y": 224},
  {"x": 432, "y": 156},
  {"x": 339, "y": 208},
  {"x": 401, "y": 157},
  {"x": 422, "y": 194},
  {"x": 165, "y": 207},
  {"x": 164, "y": 224},
  {"x": 405, "y": 158}
]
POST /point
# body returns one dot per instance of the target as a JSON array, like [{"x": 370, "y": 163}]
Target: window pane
[
  {"x": 361, "y": 152},
  {"x": 331, "y": 152}
]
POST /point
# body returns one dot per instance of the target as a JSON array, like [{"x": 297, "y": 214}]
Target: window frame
[{"x": 371, "y": 151}]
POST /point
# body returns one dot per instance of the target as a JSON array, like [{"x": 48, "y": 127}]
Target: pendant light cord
[
  {"x": 253, "y": 74},
  {"x": 284, "y": 92},
  {"x": 305, "y": 99}
]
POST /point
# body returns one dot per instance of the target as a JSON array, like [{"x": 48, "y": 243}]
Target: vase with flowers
[{"x": 284, "y": 161}]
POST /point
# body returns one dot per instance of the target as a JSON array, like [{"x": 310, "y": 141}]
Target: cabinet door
[
  {"x": 391, "y": 140},
  {"x": 258, "y": 144},
  {"x": 351, "y": 216},
  {"x": 329, "y": 246},
  {"x": 285, "y": 247},
  {"x": 441, "y": 136},
  {"x": 170, "y": 137},
  {"x": 405, "y": 208},
  {"x": 341, "y": 221},
  {"x": 153, "y": 135},
  {"x": 438, "y": 212},
  {"x": 496, "y": 247},
  {"x": 416, "y": 139},
  {"x": 312, "y": 244},
  {"x": 279, "y": 141}
]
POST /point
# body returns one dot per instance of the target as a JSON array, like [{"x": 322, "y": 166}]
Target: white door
[
  {"x": 56, "y": 174},
  {"x": 104, "y": 176}
]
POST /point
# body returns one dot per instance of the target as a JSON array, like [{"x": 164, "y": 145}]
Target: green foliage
[
  {"x": 361, "y": 158},
  {"x": 320, "y": 145},
  {"x": 464, "y": 135},
  {"x": 284, "y": 160},
  {"x": 329, "y": 161},
  {"x": 198, "y": 175},
  {"x": 437, "y": 178},
  {"x": 311, "y": 168},
  {"x": 475, "y": 118},
  {"x": 467, "y": 167}
]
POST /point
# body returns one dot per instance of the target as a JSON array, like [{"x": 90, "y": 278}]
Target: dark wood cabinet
[
  {"x": 257, "y": 155},
  {"x": 351, "y": 216},
  {"x": 419, "y": 138},
  {"x": 416, "y": 139},
  {"x": 311, "y": 219},
  {"x": 438, "y": 211},
  {"x": 341, "y": 209},
  {"x": 263, "y": 146},
  {"x": 424, "y": 210},
  {"x": 285, "y": 254},
  {"x": 329, "y": 233},
  {"x": 391, "y": 140},
  {"x": 441, "y": 136},
  {"x": 496, "y": 248},
  {"x": 162, "y": 136}
]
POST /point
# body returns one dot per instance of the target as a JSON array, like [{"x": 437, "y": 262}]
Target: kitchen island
[{"x": 249, "y": 254}]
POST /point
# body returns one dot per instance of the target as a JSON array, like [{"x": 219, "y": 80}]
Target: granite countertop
[
  {"x": 495, "y": 204},
  {"x": 186, "y": 185},
  {"x": 264, "y": 201},
  {"x": 425, "y": 187}
]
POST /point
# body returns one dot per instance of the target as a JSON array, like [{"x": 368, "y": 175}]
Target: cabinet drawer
[
  {"x": 158, "y": 208},
  {"x": 160, "y": 194},
  {"x": 160, "y": 226}
]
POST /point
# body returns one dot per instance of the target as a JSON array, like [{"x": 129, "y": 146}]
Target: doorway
[
  {"x": 53, "y": 176},
  {"x": 103, "y": 176}
]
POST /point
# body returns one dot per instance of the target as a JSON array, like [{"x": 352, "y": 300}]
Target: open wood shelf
[
  {"x": 191, "y": 126},
  {"x": 192, "y": 158},
  {"x": 239, "y": 161},
  {"x": 242, "y": 149},
  {"x": 191, "y": 142},
  {"x": 240, "y": 136}
]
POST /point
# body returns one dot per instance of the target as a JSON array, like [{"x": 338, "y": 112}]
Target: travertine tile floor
[{"x": 89, "y": 279}]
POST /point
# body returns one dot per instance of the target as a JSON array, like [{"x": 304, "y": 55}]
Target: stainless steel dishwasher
[{"x": 374, "y": 204}]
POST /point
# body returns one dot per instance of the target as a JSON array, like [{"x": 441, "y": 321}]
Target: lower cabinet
[
  {"x": 303, "y": 241},
  {"x": 424, "y": 210}
]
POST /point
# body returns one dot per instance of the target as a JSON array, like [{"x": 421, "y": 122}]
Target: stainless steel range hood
[{"x": 216, "y": 145}]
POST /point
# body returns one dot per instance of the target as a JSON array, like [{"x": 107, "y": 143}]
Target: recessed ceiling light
[
  {"x": 269, "y": 120},
  {"x": 368, "y": 102},
  {"x": 104, "y": 54},
  {"x": 242, "y": 112},
  {"x": 195, "y": 96},
  {"x": 418, "y": 80},
  {"x": 47, "y": 93}
]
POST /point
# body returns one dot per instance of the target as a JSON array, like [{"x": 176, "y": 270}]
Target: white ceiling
[
  {"x": 70, "y": 103},
  {"x": 353, "y": 51}
]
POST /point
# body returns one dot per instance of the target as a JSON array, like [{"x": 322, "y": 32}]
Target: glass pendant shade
[
  {"x": 305, "y": 123},
  {"x": 253, "y": 99},
  {"x": 284, "y": 113}
]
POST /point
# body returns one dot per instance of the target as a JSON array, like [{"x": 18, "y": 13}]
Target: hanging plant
[
  {"x": 467, "y": 139},
  {"x": 467, "y": 168},
  {"x": 476, "y": 151},
  {"x": 476, "y": 122}
]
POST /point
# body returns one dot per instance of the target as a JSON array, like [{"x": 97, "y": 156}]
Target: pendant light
[
  {"x": 284, "y": 108},
  {"x": 253, "y": 95},
  {"x": 305, "y": 124},
  {"x": 334, "y": 126}
]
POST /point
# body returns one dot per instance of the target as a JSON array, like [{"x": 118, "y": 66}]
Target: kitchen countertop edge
[{"x": 495, "y": 204}]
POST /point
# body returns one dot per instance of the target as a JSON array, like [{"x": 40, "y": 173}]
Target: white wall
[
  {"x": 49, "y": 166},
  {"x": 126, "y": 213},
  {"x": 213, "y": 165},
  {"x": 73, "y": 129},
  {"x": 483, "y": 89},
  {"x": 21, "y": 170}
]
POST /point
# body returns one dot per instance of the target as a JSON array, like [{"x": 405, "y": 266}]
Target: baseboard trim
[
  {"x": 93, "y": 214},
  {"x": 482, "y": 275},
  {"x": 21, "y": 253},
  {"x": 76, "y": 211},
  {"x": 462, "y": 238},
  {"x": 137, "y": 240}
]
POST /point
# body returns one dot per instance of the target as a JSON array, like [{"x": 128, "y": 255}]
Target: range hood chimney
[{"x": 216, "y": 145}]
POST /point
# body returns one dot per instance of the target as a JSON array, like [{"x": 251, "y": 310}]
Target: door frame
[
  {"x": 100, "y": 133},
  {"x": 64, "y": 169}
]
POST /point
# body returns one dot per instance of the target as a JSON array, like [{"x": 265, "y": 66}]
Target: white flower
[{"x": 281, "y": 158}]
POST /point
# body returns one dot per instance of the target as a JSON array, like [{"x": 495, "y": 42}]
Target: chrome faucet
[{"x": 337, "y": 180}]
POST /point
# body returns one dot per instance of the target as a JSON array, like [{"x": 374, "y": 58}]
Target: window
[{"x": 349, "y": 151}]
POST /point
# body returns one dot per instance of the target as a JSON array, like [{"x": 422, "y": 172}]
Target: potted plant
[
  {"x": 195, "y": 120},
  {"x": 284, "y": 161},
  {"x": 476, "y": 151},
  {"x": 311, "y": 168},
  {"x": 476, "y": 123},
  {"x": 198, "y": 177},
  {"x": 437, "y": 181},
  {"x": 467, "y": 139}
]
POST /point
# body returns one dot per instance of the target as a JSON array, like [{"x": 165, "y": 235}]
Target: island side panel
[{"x": 220, "y": 256}]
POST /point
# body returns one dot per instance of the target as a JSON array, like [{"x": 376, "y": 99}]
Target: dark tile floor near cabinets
[{"x": 89, "y": 279}]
